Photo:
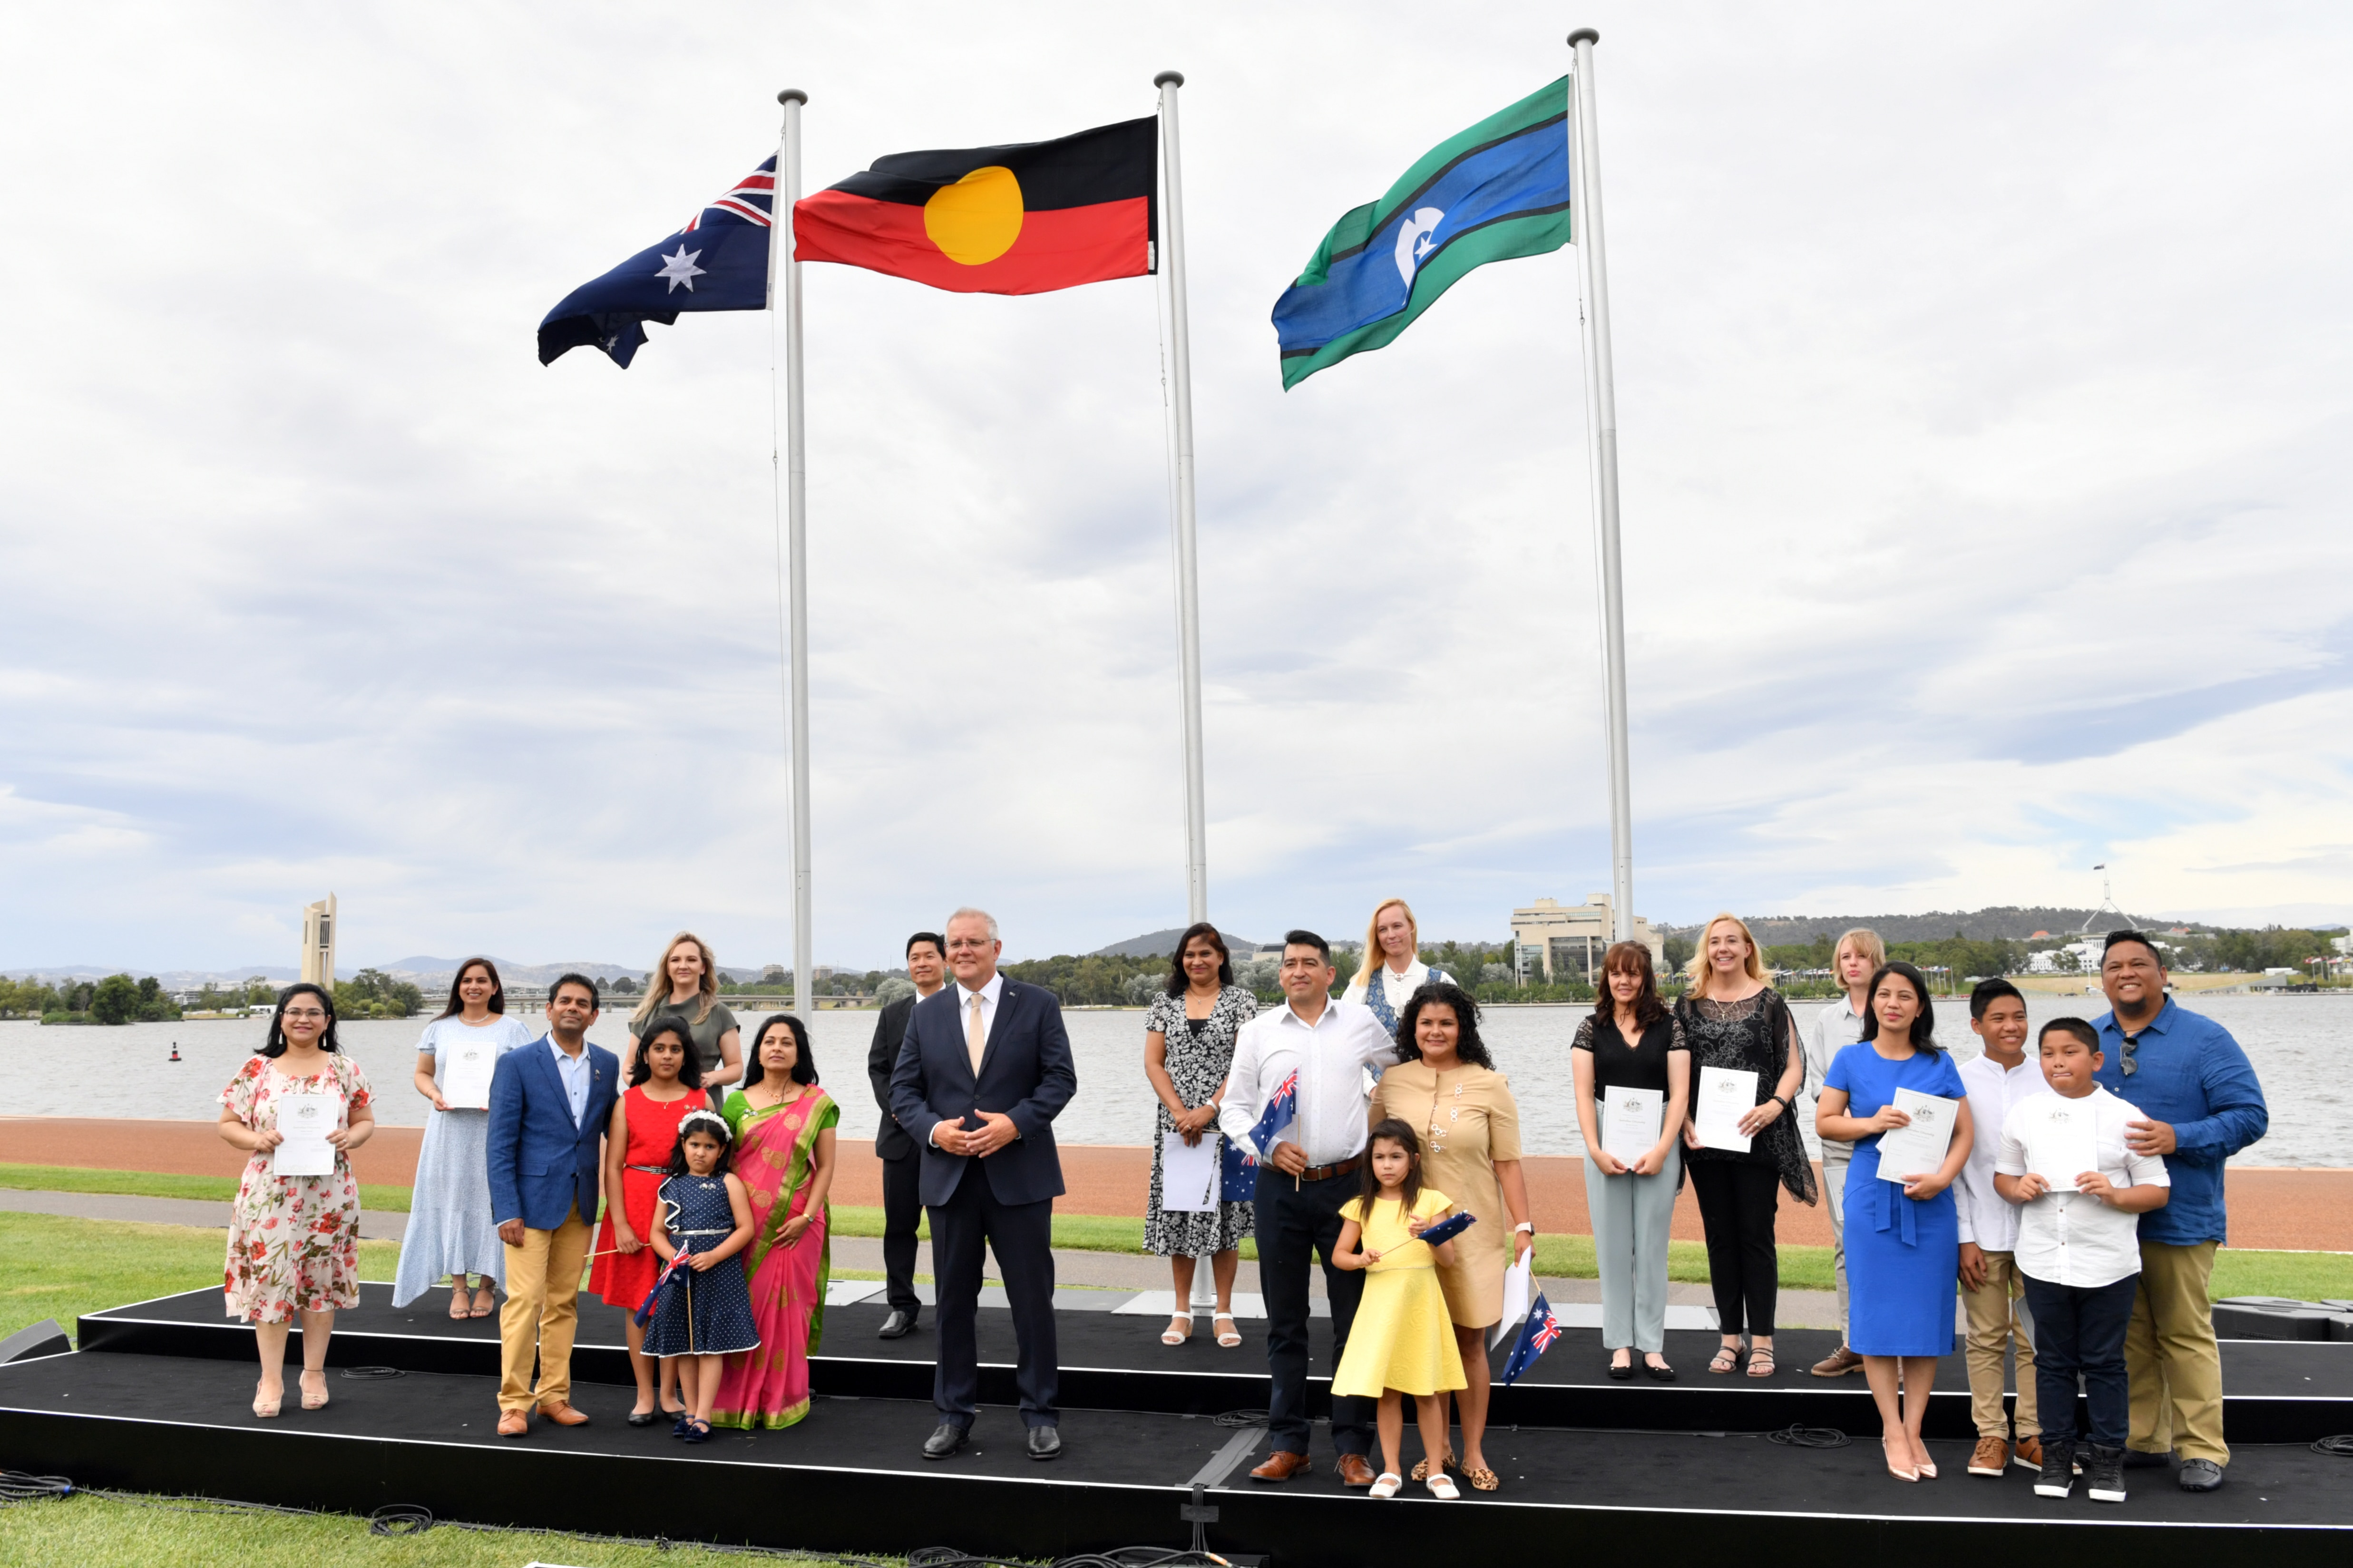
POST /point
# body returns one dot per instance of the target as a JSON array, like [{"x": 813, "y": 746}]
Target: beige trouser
[
  {"x": 1996, "y": 1313},
  {"x": 2170, "y": 1355},
  {"x": 542, "y": 1312}
]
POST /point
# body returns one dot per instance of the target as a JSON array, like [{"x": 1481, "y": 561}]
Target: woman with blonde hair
[
  {"x": 686, "y": 982},
  {"x": 1391, "y": 970},
  {"x": 1732, "y": 1018}
]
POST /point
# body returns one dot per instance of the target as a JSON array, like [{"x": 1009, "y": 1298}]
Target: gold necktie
[{"x": 975, "y": 1037}]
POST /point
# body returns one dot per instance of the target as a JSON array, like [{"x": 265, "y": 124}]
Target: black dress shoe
[
  {"x": 1660, "y": 1373},
  {"x": 898, "y": 1325},
  {"x": 1621, "y": 1374},
  {"x": 1045, "y": 1443},
  {"x": 945, "y": 1439},
  {"x": 646, "y": 1419}
]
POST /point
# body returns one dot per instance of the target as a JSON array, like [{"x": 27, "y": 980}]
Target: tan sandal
[
  {"x": 1446, "y": 1462},
  {"x": 267, "y": 1408},
  {"x": 1231, "y": 1335},
  {"x": 315, "y": 1401},
  {"x": 1482, "y": 1480}
]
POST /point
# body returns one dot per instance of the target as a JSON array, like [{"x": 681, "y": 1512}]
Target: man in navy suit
[
  {"x": 984, "y": 1069},
  {"x": 549, "y": 1105}
]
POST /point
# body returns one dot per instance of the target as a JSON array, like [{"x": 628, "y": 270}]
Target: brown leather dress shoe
[
  {"x": 1356, "y": 1470},
  {"x": 1281, "y": 1466},
  {"x": 563, "y": 1414},
  {"x": 514, "y": 1424},
  {"x": 1838, "y": 1364},
  {"x": 2029, "y": 1454}
]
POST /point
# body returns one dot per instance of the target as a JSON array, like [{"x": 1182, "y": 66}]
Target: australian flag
[
  {"x": 1237, "y": 1182},
  {"x": 719, "y": 261},
  {"x": 1281, "y": 1112},
  {"x": 1536, "y": 1336}
]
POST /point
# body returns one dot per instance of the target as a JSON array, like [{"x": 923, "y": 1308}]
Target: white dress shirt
[
  {"x": 1833, "y": 1029},
  {"x": 574, "y": 1071},
  {"x": 1330, "y": 1057},
  {"x": 989, "y": 995},
  {"x": 1994, "y": 1092},
  {"x": 2066, "y": 1237}
]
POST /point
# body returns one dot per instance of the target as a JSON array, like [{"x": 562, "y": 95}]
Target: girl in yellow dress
[{"x": 1402, "y": 1342}]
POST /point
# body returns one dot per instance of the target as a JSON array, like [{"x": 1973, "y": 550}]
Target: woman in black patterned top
[
  {"x": 1188, "y": 1045},
  {"x": 1732, "y": 1018}
]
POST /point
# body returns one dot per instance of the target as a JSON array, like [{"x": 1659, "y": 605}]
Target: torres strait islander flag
[
  {"x": 1022, "y": 219},
  {"x": 1494, "y": 192}
]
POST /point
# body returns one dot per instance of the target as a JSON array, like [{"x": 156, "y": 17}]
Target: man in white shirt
[
  {"x": 1857, "y": 958},
  {"x": 2079, "y": 1248},
  {"x": 1991, "y": 1288},
  {"x": 1308, "y": 1172}
]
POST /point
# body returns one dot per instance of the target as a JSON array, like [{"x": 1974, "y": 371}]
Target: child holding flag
[
  {"x": 701, "y": 1307},
  {"x": 1403, "y": 1341}
]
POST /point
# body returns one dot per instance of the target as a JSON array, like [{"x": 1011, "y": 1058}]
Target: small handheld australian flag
[
  {"x": 718, "y": 261},
  {"x": 1536, "y": 1336}
]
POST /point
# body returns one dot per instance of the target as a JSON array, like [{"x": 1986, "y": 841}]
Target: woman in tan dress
[{"x": 1445, "y": 1086}]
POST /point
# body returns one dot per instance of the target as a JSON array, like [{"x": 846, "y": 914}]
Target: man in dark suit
[
  {"x": 985, "y": 1071},
  {"x": 549, "y": 1105},
  {"x": 902, "y": 1203}
]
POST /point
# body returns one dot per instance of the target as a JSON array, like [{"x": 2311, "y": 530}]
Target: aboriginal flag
[{"x": 1023, "y": 219}]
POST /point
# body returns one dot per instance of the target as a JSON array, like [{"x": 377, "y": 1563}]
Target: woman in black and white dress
[{"x": 1188, "y": 1045}]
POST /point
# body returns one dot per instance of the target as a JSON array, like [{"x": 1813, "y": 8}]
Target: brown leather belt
[{"x": 1326, "y": 1172}]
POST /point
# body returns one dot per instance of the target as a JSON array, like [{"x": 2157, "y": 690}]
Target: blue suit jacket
[
  {"x": 542, "y": 1167},
  {"x": 1026, "y": 1073}
]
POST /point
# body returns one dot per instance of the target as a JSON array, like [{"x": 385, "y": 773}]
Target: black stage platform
[{"x": 157, "y": 1401}]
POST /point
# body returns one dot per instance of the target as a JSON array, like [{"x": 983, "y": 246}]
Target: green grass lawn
[
  {"x": 162, "y": 1184},
  {"x": 164, "y": 1532}
]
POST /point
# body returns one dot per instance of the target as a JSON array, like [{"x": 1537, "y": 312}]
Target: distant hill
[
  {"x": 1161, "y": 943},
  {"x": 2002, "y": 920},
  {"x": 422, "y": 969}
]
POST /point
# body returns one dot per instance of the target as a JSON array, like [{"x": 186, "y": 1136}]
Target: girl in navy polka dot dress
[{"x": 705, "y": 1313}]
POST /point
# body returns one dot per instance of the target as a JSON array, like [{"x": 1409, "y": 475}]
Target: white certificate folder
[
  {"x": 1725, "y": 1095},
  {"x": 1632, "y": 1120},
  {"x": 1190, "y": 1172},
  {"x": 1917, "y": 1150},
  {"x": 465, "y": 1069},
  {"x": 303, "y": 1122}
]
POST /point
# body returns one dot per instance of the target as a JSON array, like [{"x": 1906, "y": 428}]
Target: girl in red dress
[{"x": 665, "y": 1083}]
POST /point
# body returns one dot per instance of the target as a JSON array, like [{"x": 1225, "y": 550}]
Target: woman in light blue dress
[
  {"x": 1903, "y": 1238},
  {"x": 450, "y": 1231}
]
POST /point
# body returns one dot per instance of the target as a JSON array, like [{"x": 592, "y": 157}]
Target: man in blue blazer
[
  {"x": 984, "y": 1069},
  {"x": 549, "y": 1104}
]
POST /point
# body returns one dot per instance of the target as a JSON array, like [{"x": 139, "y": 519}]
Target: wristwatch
[{"x": 1527, "y": 1226}]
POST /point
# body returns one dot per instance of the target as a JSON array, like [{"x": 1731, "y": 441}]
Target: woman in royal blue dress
[{"x": 1902, "y": 1240}]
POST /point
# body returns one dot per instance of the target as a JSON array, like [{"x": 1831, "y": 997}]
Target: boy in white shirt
[
  {"x": 1991, "y": 1288},
  {"x": 2079, "y": 1250}
]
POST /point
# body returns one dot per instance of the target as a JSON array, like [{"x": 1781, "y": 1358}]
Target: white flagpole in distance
[
  {"x": 1601, "y": 438},
  {"x": 1188, "y": 597},
  {"x": 793, "y": 560}
]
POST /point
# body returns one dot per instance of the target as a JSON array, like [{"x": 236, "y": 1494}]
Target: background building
[
  {"x": 319, "y": 942},
  {"x": 1565, "y": 941}
]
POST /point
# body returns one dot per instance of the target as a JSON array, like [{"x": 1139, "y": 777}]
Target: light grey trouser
[
  {"x": 1631, "y": 1216},
  {"x": 1835, "y": 1160}
]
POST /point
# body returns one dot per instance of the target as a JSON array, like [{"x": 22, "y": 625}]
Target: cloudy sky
[{"x": 1984, "y": 397}]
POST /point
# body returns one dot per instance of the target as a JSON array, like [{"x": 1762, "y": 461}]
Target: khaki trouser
[
  {"x": 541, "y": 1314},
  {"x": 1997, "y": 1312},
  {"x": 2169, "y": 1351},
  {"x": 1836, "y": 1157}
]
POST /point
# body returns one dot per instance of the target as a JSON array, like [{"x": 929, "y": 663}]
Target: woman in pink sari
[{"x": 783, "y": 1154}]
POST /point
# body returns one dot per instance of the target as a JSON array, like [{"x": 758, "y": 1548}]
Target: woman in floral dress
[
  {"x": 1188, "y": 1045},
  {"x": 294, "y": 1241}
]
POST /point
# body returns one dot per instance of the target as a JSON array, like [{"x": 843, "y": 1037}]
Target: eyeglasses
[{"x": 305, "y": 1013}]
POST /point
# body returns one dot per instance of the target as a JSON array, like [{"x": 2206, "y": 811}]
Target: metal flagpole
[
  {"x": 1188, "y": 598},
  {"x": 1602, "y": 436},
  {"x": 780, "y": 245}
]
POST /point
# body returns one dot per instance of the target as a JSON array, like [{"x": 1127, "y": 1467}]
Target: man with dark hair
[
  {"x": 903, "y": 1163},
  {"x": 549, "y": 1106},
  {"x": 1992, "y": 1289},
  {"x": 1307, "y": 1170},
  {"x": 2202, "y": 1104}
]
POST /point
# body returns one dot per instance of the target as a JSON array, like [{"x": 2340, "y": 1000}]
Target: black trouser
[
  {"x": 902, "y": 1216},
  {"x": 2080, "y": 1329},
  {"x": 1294, "y": 1222},
  {"x": 1736, "y": 1204},
  {"x": 1022, "y": 1237}
]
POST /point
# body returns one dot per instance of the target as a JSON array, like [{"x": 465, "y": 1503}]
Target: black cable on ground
[
  {"x": 373, "y": 1371},
  {"x": 1238, "y": 1418},
  {"x": 2340, "y": 1446},
  {"x": 1795, "y": 1436},
  {"x": 16, "y": 1486},
  {"x": 400, "y": 1518}
]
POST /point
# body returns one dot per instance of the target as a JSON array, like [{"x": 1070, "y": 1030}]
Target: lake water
[{"x": 2301, "y": 1046}]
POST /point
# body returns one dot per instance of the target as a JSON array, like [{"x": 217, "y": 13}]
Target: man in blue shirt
[{"x": 2201, "y": 1103}]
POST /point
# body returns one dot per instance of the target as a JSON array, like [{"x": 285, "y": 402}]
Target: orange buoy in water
[{"x": 175, "y": 1050}]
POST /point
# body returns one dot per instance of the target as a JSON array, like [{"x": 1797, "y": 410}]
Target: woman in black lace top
[{"x": 1732, "y": 1018}]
